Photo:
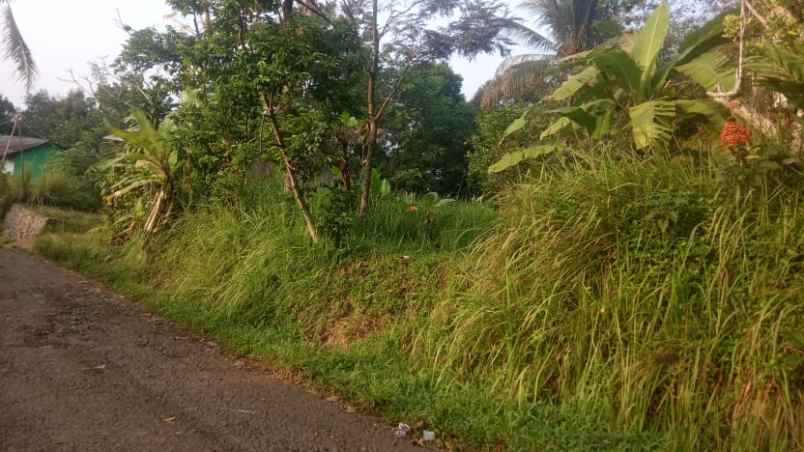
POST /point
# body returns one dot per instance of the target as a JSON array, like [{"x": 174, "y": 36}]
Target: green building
[{"x": 25, "y": 152}]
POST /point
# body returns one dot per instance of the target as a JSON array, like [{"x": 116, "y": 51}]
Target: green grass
[{"x": 606, "y": 304}]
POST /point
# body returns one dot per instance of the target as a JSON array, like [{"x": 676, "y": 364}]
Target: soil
[{"x": 84, "y": 369}]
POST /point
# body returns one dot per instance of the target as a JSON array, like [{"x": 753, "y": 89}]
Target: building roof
[{"x": 18, "y": 144}]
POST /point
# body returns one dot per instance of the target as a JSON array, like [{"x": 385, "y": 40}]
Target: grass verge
[{"x": 608, "y": 305}]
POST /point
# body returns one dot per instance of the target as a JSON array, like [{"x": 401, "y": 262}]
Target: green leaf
[
  {"x": 648, "y": 41},
  {"x": 579, "y": 116},
  {"x": 603, "y": 125},
  {"x": 515, "y": 126},
  {"x": 709, "y": 109},
  {"x": 557, "y": 126},
  {"x": 781, "y": 69},
  {"x": 515, "y": 158},
  {"x": 650, "y": 122},
  {"x": 575, "y": 83},
  {"x": 619, "y": 67},
  {"x": 712, "y": 70},
  {"x": 703, "y": 39},
  {"x": 698, "y": 42}
]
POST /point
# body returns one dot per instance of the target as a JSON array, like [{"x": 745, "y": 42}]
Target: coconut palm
[
  {"x": 575, "y": 26},
  {"x": 571, "y": 23},
  {"x": 16, "y": 50}
]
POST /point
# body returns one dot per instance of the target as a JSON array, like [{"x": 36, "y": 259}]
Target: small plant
[{"x": 335, "y": 212}]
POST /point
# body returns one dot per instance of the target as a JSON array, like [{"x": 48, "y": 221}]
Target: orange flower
[
  {"x": 413, "y": 209},
  {"x": 734, "y": 134}
]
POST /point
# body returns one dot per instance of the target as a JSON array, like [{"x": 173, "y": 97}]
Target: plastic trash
[
  {"x": 402, "y": 430},
  {"x": 427, "y": 435}
]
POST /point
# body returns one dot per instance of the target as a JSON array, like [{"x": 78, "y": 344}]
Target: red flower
[
  {"x": 413, "y": 209},
  {"x": 734, "y": 134}
]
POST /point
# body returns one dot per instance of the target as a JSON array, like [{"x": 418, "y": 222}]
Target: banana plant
[
  {"x": 626, "y": 77},
  {"x": 146, "y": 168}
]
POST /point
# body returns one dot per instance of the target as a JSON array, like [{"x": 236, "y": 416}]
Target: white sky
[{"x": 64, "y": 36}]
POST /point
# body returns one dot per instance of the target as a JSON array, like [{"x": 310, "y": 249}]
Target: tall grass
[
  {"x": 53, "y": 189},
  {"x": 654, "y": 295},
  {"x": 606, "y": 304}
]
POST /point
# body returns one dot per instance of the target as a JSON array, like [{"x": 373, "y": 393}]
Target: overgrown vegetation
[{"x": 631, "y": 277}]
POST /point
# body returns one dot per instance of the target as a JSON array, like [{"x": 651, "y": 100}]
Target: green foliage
[
  {"x": 629, "y": 288},
  {"x": 66, "y": 121},
  {"x": 424, "y": 135},
  {"x": 515, "y": 158},
  {"x": 334, "y": 209},
  {"x": 142, "y": 177},
  {"x": 53, "y": 188},
  {"x": 610, "y": 300},
  {"x": 627, "y": 79},
  {"x": 7, "y": 112},
  {"x": 66, "y": 191},
  {"x": 488, "y": 145},
  {"x": 611, "y": 294},
  {"x": 781, "y": 69}
]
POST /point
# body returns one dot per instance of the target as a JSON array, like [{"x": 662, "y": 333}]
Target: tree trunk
[
  {"x": 309, "y": 223},
  {"x": 287, "y": 10},
  {"x": 346, "y": 173},
  {"x": 291, "y": 182},
  {"x": 370, "y": 143}
]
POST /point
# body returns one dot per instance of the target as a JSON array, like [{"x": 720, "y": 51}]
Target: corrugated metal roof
[{"x": 18, "y": 144}]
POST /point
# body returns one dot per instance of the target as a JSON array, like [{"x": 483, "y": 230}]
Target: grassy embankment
[{"x": 605, "y": 304}]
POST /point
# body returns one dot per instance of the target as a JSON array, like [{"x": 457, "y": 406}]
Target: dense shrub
[{"x": 656, "y": 294}]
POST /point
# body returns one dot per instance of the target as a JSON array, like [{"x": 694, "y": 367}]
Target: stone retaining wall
[{"x": 22, "y": 223}]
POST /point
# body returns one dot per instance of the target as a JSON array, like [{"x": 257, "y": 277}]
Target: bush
[
  {"x": 654, "y": 294},
  {"x": 486, "y": 147},
  {"x": 61, "y": 190}
]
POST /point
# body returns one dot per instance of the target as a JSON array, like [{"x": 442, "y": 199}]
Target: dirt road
[{"x": 82, "y": 369}]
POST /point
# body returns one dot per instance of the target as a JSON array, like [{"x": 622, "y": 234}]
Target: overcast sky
[{"x": 65, "y": 35}]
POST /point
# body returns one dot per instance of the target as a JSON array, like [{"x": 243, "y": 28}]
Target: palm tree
[
  {"x": 571, "y": 22},
  {"x": 16, "y": 50},
  {"x": 575, "y": 26}
]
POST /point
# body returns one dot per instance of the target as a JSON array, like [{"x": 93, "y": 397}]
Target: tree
[
  {"x": 65, "y": 121},
  {"x": 410, "y": 35},
  {"x": 16, "y": 49},
  {"x": 629, "y": 80},
  {"x": 424, "y": 140},
  {"x": 413, "y": 33},
  {"x": 577, "y": 25},
  {"x": 7, "y": 112},
  {"x": 769, "y": 39},
  {"x": 272, "y": 84},
  {"x": 574, "y": 25}
]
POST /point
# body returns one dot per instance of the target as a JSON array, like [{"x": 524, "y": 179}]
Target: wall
[
  {"x": 23, "y": 224},
  {"x": 34, "y": 159}
]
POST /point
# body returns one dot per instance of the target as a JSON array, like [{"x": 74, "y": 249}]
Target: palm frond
[
  {"x": 16, "y": 49},
  {"x": 523, "y": 82},
  {"x": 532, "y": 38}
]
